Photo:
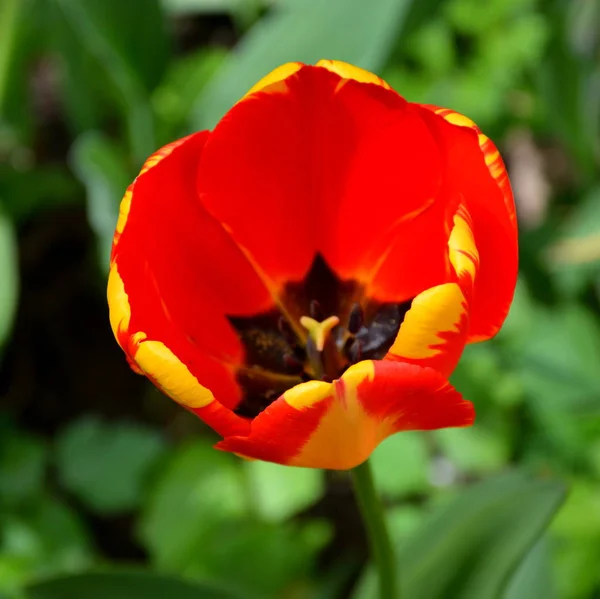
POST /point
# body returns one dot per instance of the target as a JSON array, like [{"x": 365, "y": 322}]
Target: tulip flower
[{"x": 305, "y": 276}]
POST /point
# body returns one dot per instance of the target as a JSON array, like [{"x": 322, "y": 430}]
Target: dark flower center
[{"x": 300, "y": 341}]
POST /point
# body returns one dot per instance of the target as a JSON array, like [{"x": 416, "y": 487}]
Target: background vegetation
[{"x": 99, "y": 472}]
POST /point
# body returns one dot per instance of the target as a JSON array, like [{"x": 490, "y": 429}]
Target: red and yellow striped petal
[
  {"x": 155, "y": 360},
  {"x": 474, "y": 169},
  {"x": 165, "y": 288},
  {"x": 174, "y": 379},
  {"x": 492, "y": 157},
  {"x": 275, "y": 76},
  {"x": 338, "y": 425},
  {"x": 344, "y": 69},
  {"x": 305, "y": 165},
  {"x": 349, "y": 71},
  {"x": 434, "y": 331}
]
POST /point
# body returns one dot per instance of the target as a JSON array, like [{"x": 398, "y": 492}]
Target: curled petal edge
[{"x": 338, "y": 425}]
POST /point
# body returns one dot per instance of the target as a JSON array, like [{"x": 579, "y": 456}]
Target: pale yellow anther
[{"x": 319, "y": 331}]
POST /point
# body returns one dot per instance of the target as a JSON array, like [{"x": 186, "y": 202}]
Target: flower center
[{"x": 324, "y": 325}]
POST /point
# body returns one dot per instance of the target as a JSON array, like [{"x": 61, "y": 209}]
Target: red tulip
[{"x": 304, "y": 277}]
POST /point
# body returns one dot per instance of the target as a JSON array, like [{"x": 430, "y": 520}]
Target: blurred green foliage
[{"x": 87, "y": 90}]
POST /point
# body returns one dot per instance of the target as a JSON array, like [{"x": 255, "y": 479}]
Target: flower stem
[{"x": 373, "y": 517}]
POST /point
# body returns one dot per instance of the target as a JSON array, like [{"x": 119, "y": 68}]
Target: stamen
[
  {"x": 356, "y": 319},
  {"x": 319, "y": 331},
  {"x": 279, "y": 354},
  {"x": 354, "y": 352}
]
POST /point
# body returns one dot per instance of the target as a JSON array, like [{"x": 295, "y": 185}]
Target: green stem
[{"x": 373, "y": 517}]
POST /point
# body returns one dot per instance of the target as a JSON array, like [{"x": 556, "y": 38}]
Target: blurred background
[{"x": 98, "y": 471}]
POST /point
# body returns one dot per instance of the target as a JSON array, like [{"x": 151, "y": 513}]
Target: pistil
[{"x": 318, "y": 333}]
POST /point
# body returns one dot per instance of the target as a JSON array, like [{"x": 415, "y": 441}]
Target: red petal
[
  {"x": 279, "y": 432},
  {"x": 349, "y": 71},
  {"x": 317, "y": 163},
  {"x": 338, "y": 425},
  {"x": 434, "y": 331},
  {"x": 181, "y": 272},
  {"x": 474, "y": 169},
  {"x": 413, "y": 398}
]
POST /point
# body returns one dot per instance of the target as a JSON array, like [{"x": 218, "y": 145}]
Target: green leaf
[
  {"x": 280, "y": 491},
  {"x": 22, "y": 29},
  {"x": 199, "y": 520},
  {"x": 580, "y": 517},
  {"x": 359, "y": 32},
  {"x": 561, "y": 381},
  {"x": 122, "y": 585},
  {"x": 51, "y": 552},
  {"x": 135, "y": 31},
  {"x": 576, "y": 550},
  {"x": 533, "y": 578},
  {"x": 584, "y": 221},
  {"x": 41, "y": 539},
  {"x": 471, "y": 546},
  {"x": 560, "y": 387},
  {"x": 128, "y": 40},
  {"x": 198, "y": 481},
  {"x": 9, "y": 21},
  {"x": 400, "y": 464},
  {"x": 475, "y": 449},
  {"x": 290, "y": 549},
  {"x": 403, "y": 521},
  {"x": 482, "y": 363},
  {"x": 565, "y": 83},
  {"x": 181, "y": 87},
  {"x": 22, "y": 468},
  {"x": 433, "y": 47},
  {"x": 9, "y": 276},
  {"x": 187, "y": 7},
  {"x": 519, "y": 323},
  {"x": 100, "y": 166},
  {"x": 86, "y": 88},
  {"x": 26, "y": 194},
  {"x": 106, "y": 465},
  {"x": 575, "y": 562},
  {"x": 575, "y": 256}
]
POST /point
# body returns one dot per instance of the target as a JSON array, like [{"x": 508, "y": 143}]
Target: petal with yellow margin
[
  {"x": 170, "y": 375},
  {"x": 434, "y": 331},
  {"x": 493, "y": 160},
  {"x": 344, "y": 69},
  {"x": 474, "y": 169},
  {"x": 338, "y": 425},
  {"x": 349, "y": 71},
  {"x": 176, "y": 274},
  {"x": 275, "y": 76}
]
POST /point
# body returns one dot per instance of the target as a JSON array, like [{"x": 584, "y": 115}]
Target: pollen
[{"x": 319, "y": 331}]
